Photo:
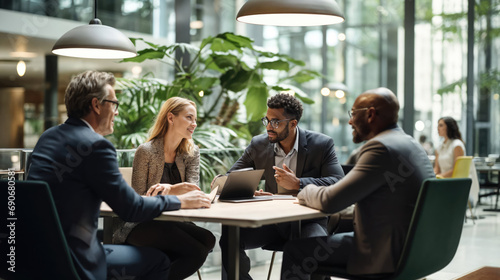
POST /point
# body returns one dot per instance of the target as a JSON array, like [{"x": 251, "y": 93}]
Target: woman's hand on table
[
  {"x": 182, "y": 188},
  {"x": 162, "y": 189}
]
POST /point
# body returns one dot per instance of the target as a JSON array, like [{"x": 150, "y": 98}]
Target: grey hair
[{"x": 83, "y": 88}]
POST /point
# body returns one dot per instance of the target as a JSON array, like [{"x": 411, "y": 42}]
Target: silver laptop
[{"x": 240, "y": 186}]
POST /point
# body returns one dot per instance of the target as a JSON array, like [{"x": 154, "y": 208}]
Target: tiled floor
[{"x": 479, "y": 246}]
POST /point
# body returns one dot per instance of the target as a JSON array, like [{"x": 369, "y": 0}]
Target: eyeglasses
[
  {"x": 115, "y": 104},
  {"x": 354, "y": 110},
  {"x": 274, "y": 123}
]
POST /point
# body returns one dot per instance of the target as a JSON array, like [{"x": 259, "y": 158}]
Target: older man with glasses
[
  {"x": 80, "y": 166},
  {"x": 292, "y": 158}
]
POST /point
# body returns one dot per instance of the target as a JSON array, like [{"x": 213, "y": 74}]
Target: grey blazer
[
  {"x": 317, "y": 162},
  {"x": 384, "y": 185},
  {"x": 147, "y": 170}
]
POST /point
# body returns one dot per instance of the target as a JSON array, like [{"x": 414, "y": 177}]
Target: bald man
[{"x": 383, "y": 185}]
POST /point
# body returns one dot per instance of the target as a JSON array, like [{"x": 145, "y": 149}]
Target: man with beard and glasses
[
  {"x": 292, "y": 158},
  {"x": 384, "y": 185}
]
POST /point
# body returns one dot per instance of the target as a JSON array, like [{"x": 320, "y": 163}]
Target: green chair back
[
  {"x": 434, "y": 232},
  {"x": 41, "y": 248},
  {"x": 435, "y": 228}
]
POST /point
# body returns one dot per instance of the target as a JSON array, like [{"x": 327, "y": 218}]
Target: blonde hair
[{"x": 173, "y": 105}]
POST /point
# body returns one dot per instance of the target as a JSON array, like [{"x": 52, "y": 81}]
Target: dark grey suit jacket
[
  {"x": 384, "y": 184},
  {"x": 316, "y": 160},
  {"x": 81, "y": 169}
]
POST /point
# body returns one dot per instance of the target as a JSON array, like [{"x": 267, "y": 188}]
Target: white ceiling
[
  {"x": 31, "y": 37},
  {"x": 35, "y": 73}
]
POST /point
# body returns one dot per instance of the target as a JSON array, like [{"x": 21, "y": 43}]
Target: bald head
[
  {"x": 384, "y": 101},
  {"x": 373, "y": 111}
]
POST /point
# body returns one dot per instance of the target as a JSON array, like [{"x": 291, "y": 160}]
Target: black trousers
[
  {"x": 186, "y": 244},
  {"x": 131, "y": 262},
  {"x": 302, "y": 256},
  {"x": 251, "y": 238}
]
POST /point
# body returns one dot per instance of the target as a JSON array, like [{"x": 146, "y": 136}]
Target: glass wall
[
  {"x": 366, "y": 51},
  {"x": 441, "y": 70},
  {"x": 134, "y": 15},
  {"x": 210, "y": 17},
  {"x": 374, "y": 52}
]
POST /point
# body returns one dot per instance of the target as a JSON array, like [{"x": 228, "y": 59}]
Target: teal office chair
[
  {"x": 41, "y": 248},
  {"x": 433, "y": 235}
]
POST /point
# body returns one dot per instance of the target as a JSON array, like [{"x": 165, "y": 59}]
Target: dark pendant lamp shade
[
  {"x": 290, "y": 12},
  {"x": 95, "y": 41}
]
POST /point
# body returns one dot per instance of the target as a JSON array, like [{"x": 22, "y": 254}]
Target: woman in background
[
  {"x": 451, "y": 148},
  {"x": 168, "y": 163},
  {"x": 447, "y": 154}
]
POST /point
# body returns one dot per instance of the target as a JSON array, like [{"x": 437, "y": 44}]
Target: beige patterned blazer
[
  {"x": 149, "y": 161},
  {"x": 147, "y": 169}
]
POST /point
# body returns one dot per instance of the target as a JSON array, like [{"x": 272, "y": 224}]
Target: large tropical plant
[
  {"x": 228, "y": 78},
  {"x": 140, "y": 101},
  {"x": 231, "y": 70}
]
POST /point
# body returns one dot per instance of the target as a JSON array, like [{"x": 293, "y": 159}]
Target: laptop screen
[{"x": 241, "y": 184}]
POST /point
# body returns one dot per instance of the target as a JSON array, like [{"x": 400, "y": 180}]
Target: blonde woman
[{"x": 168, "y": 163}]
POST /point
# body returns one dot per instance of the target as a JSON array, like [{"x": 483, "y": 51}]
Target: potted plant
[{"x": 227, "y": 76}]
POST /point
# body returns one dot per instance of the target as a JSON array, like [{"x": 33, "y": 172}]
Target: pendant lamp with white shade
[
  {"x": 95, "y": 41},
  {"x": 290, "y": 12}
]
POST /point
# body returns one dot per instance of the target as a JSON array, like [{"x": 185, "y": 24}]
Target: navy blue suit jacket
[
  {"x": 317, "y": 162},
  {"x": 81, "y": 169}
]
